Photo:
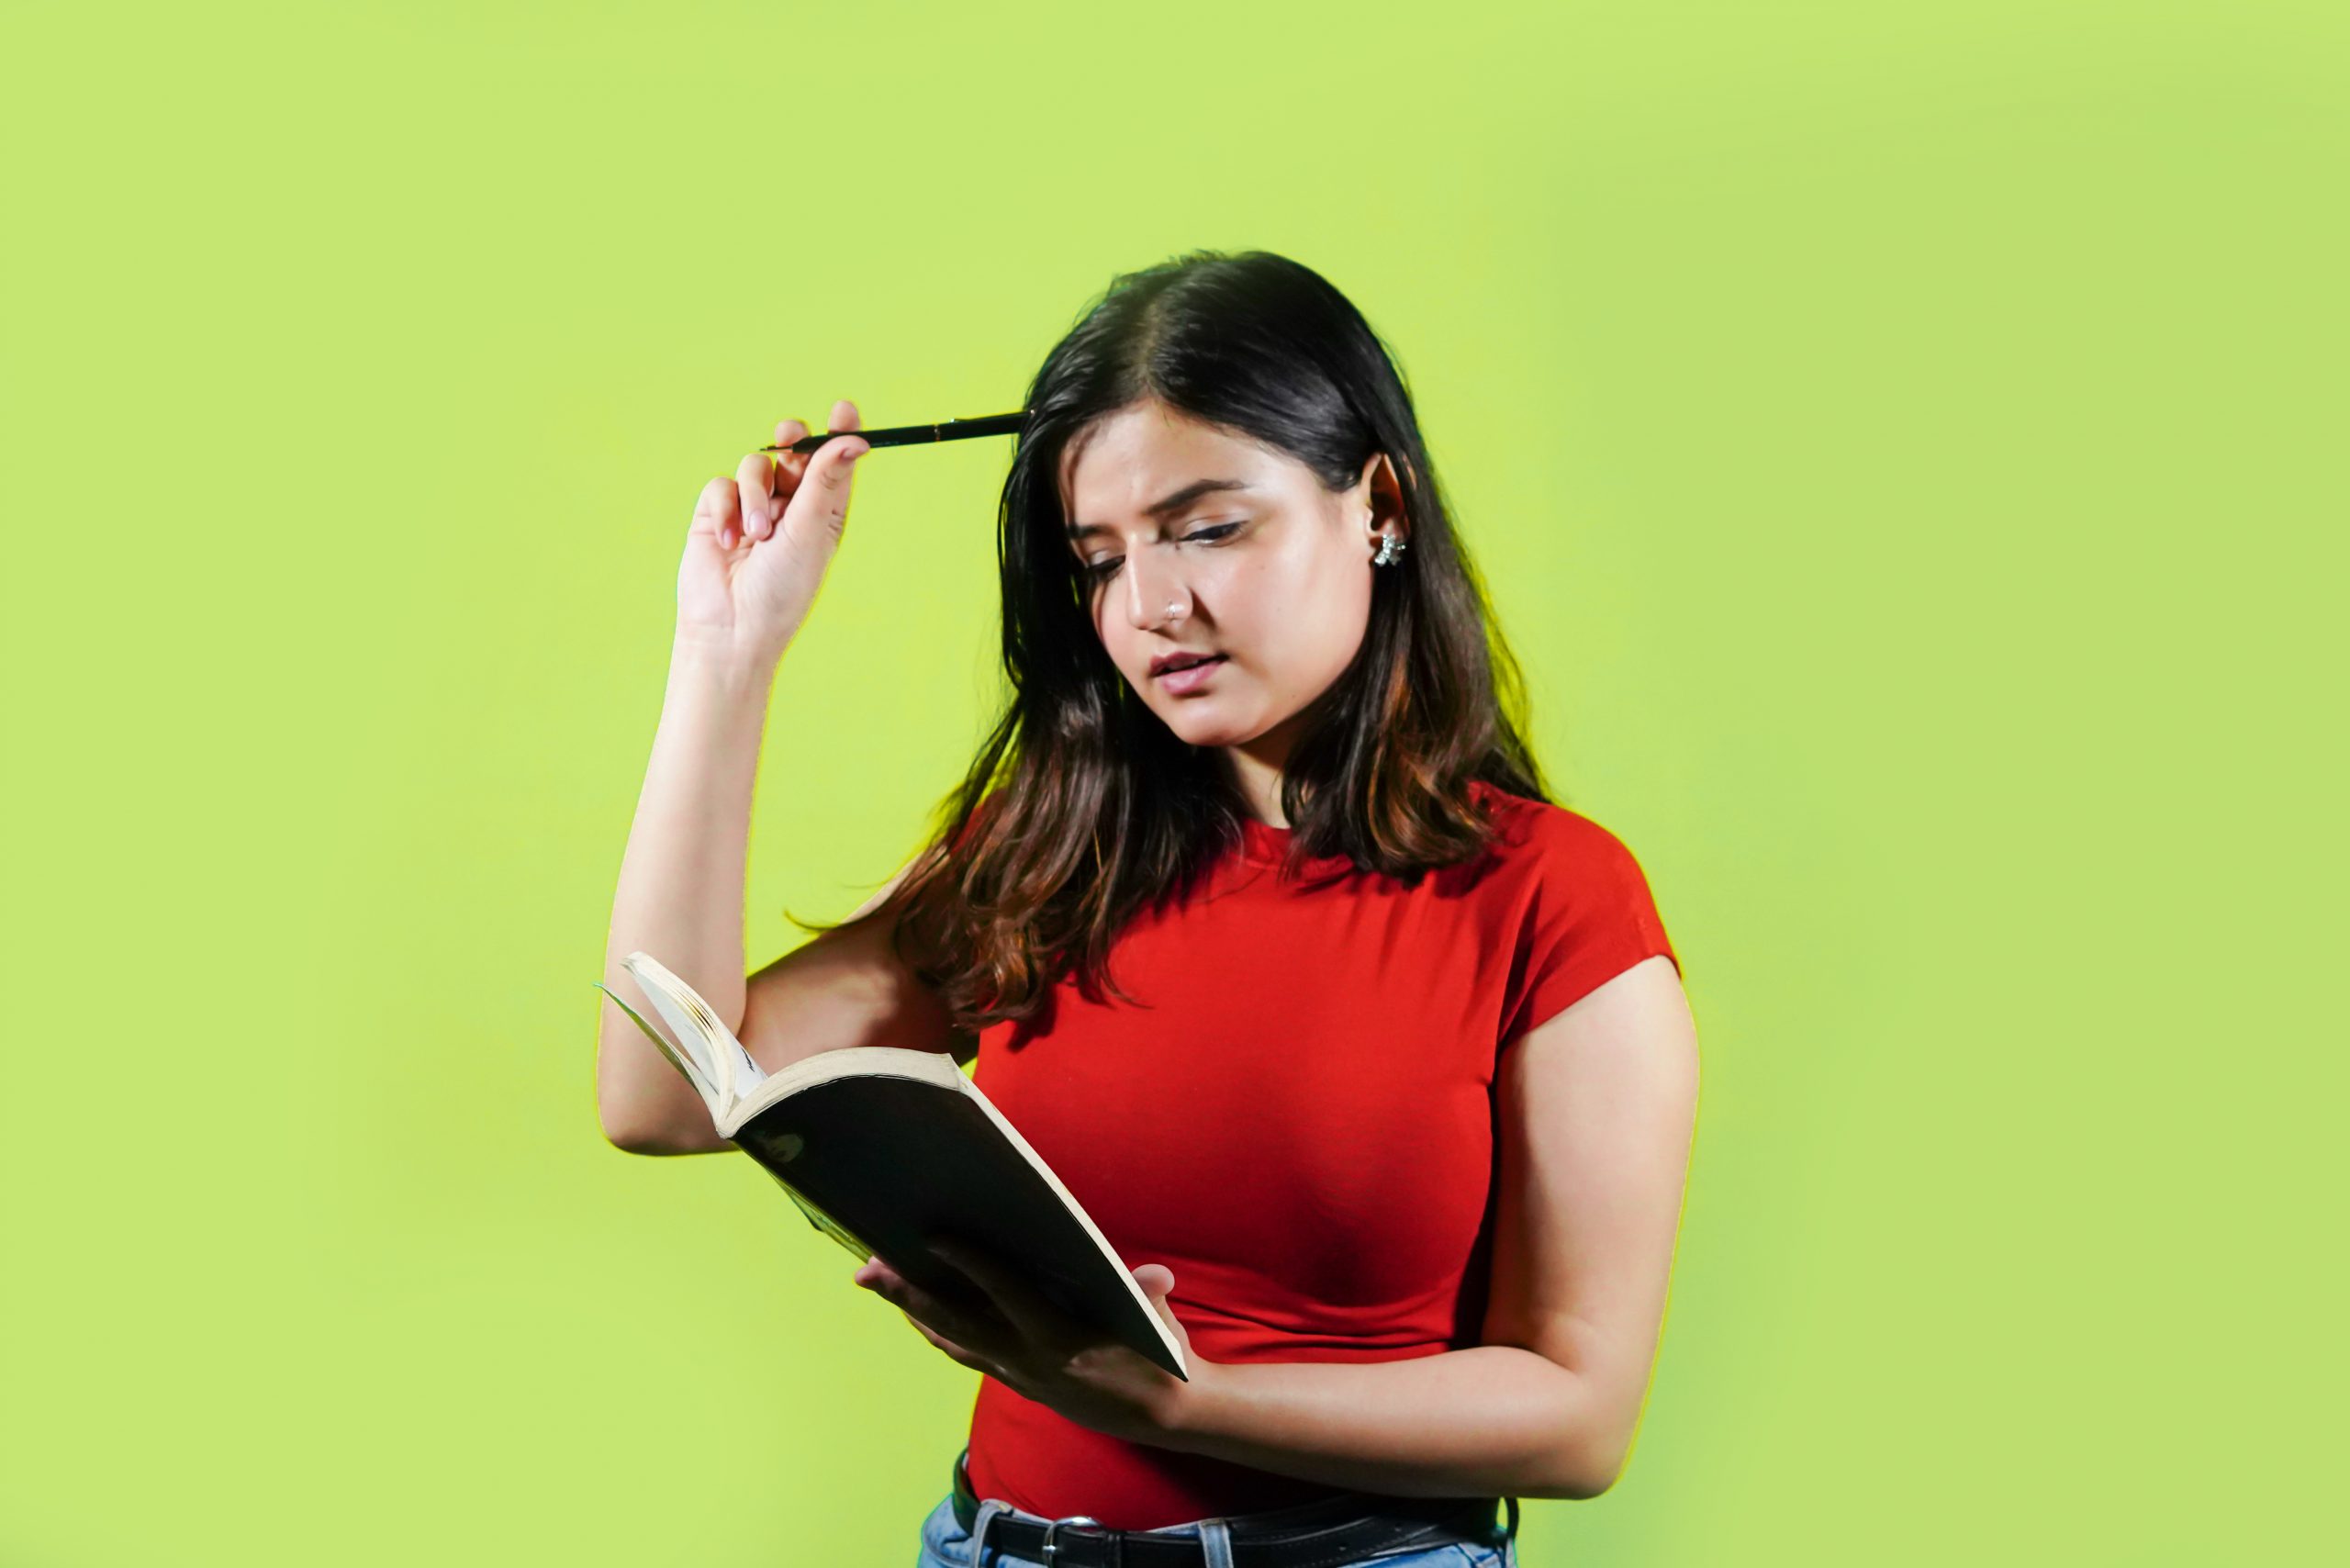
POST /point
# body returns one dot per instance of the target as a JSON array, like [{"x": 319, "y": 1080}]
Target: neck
[{"x": 1257, "y": 768}]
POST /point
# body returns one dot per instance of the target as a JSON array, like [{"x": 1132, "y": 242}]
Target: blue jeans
[{"x": 946, "y": 1544}]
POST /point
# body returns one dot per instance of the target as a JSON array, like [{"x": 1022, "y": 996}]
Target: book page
[
  {"x": 686, "y": 1062},
  {"x": 695, "y": 1027},
  {"x": 718, "y": 1052}
]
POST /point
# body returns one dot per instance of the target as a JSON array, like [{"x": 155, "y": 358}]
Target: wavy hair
[{"x": 1082, "y": 808}]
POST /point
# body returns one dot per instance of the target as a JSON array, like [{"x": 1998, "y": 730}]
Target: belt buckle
[{"x": 1052, "y": 1546}]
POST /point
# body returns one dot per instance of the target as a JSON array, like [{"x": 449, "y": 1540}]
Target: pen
[{"x": 908, "y": 435}]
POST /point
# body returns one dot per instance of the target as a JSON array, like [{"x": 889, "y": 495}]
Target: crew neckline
[
  {"x": 1262, "y": 842},
  {"x": 1263, "y": 846}
]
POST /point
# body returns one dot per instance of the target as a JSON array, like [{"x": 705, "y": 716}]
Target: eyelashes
[{"x": 1101, "y": 571}]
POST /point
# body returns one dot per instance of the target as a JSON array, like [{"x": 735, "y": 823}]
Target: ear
[{"x": 1377, "y": 488}]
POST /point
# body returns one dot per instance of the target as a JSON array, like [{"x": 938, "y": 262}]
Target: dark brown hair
[{"x": 1081, "y": 808}]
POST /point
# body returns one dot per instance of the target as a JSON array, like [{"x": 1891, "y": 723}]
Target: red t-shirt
[{"x": 1298, "y": 1121}]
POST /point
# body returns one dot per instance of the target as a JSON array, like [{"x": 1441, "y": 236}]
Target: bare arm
[
  {"x": 682, "y": 878},
  {"x": 758, "y": 549},
  {"x": 1599, "y": 1113},
  {"x": 754, "y": 555},
  {"x": 680, "y": 898}
]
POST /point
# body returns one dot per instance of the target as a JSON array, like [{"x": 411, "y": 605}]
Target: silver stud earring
[{"x": 1391, "y": 550}]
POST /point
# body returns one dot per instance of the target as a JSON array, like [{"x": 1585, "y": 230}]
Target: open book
[{"x": 887, "y": 1149}]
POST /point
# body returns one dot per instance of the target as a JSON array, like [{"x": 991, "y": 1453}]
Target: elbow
[
  {"x": 630, "y": 1136},
  {"x": 1588, "y": 1467},
  {"x": 639, "y": 1138},
  {"x": 1577, "y": 1478},
  {"x": 626, "y": 1127},
  {"x": 1583, "y": 1482},
  {"x": 627, "y": 1139}
]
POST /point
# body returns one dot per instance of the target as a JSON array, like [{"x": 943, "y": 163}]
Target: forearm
[
  {"x": 682, "y": 878},
  {"x": 1491, "y": 1420}
]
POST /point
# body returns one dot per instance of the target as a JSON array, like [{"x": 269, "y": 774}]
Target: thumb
[
  {"x": 819, "y": 506},
  {"x": 1156, "y": 1279}
]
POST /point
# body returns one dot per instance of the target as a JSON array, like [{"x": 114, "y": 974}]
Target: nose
[{"x": 1152, "y": 597}]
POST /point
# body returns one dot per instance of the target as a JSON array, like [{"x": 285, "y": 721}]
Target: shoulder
[
  {"x": 1553, "y": 841},
  {"x": 1581, "y": 910}
]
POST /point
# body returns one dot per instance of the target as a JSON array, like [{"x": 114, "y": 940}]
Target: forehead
[{"x": 1126, "y": 461}]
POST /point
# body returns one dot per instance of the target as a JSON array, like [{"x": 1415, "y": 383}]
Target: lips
[{"x": 1182, "y": 661}]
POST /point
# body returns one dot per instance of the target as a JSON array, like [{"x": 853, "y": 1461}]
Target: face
[{"x": 1253, "y": 561}]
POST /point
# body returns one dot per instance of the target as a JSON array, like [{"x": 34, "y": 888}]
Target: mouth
[
  {"x": 1185, "y": 672},
  {"x": 1182, "y": 661}
]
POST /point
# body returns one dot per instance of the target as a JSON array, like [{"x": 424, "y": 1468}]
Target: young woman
[{"x": 1260, "y": 925}]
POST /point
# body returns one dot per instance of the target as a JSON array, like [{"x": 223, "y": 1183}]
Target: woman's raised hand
[{"x": 761, "y": 540}]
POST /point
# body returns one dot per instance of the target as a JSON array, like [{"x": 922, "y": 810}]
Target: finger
[
  {"x": 822, "y": 500},
  {"x": 790, "y": 468},
  {"x": 971, "y": 1358},
  {"x": 788, "y": 464},
  {"x": 931, "y": 1311},
  {"x": 763, "y": 497},
  {"x": 717, "y": 513},
  {"x": 842, "y": 418},
  {"x": 1031, "y": 1313}
]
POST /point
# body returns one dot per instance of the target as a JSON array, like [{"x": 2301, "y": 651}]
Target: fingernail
[{"x": 851, "y": 456}]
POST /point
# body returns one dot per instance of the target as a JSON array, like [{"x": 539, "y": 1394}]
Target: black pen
[{"x": 909, "y": 435}]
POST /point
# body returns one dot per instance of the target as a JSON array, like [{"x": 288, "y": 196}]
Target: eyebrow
[{"x": 1166, "y": 505}]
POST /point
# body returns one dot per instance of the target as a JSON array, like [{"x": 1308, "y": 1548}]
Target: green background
[{"x": 1905, "y": 443}]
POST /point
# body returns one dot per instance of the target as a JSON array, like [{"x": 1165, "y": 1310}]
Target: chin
[{"x": 1194, "y": 728}]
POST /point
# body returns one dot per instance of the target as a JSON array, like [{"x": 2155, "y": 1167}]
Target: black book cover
[{"x": 887, "y": 1151}]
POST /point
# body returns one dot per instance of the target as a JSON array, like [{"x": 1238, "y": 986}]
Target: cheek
[
  {"x": 1128, "y": 651},
  {"x": 1252, "y": 603},
  {"x": 1289, "y": 620}
]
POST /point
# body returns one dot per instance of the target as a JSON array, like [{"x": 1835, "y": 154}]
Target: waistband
[{"x": 1322, "y": 1534}]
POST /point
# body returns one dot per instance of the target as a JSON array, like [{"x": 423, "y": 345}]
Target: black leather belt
[{"x": 1345, "y": 1529}]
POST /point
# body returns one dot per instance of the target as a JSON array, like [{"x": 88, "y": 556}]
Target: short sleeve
[{"x": 1591, "y": 917}]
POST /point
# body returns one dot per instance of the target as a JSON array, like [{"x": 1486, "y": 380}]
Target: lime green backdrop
[{"x": 1895, "y": 435}]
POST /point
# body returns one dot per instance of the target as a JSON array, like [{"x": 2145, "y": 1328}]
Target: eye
[{"x": 1100, "y": 571}]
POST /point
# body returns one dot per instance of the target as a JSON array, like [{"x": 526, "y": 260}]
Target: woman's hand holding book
[{"x": 1023, "y": 1341}]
